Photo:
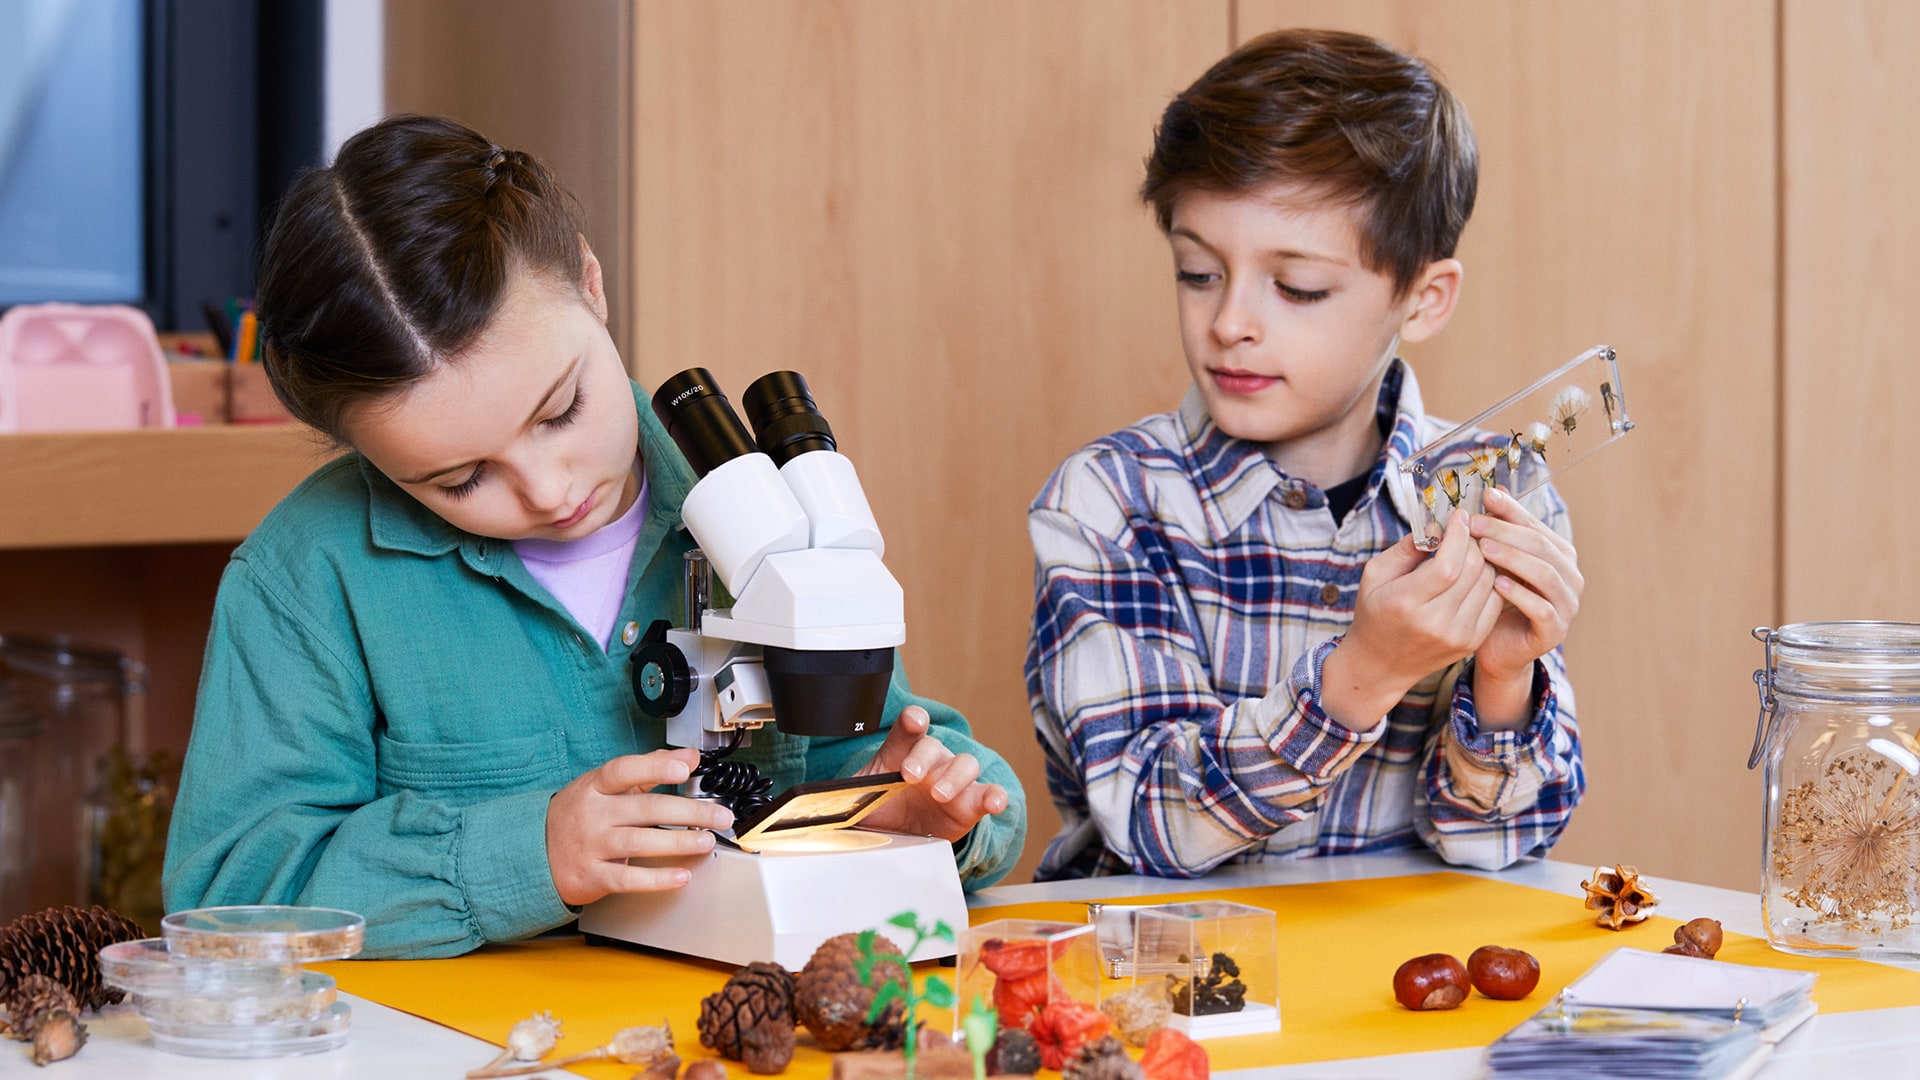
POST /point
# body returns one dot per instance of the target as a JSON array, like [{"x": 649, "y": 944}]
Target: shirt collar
[
  {"x": 1235, "y": 476},
  {"x": 398, "y": 522}
]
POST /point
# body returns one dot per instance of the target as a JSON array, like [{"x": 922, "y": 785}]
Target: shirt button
[
  {"x": 1329, "y": 595},
  {"x": 1295, "y": 498},
  {"x": 630, "y": 633}
]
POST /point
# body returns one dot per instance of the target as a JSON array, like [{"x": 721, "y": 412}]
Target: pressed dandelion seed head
[
  {"x": 1450, "y": 484},
  {"x": 1484, "y": 463},
  {"x": 1568, "y": 406},
  {"x": 1537, "y": 436},
  {"x": 1848, "y": 844}
]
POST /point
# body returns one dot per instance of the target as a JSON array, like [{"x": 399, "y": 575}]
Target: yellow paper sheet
[{"x": 1339, "y": 943}]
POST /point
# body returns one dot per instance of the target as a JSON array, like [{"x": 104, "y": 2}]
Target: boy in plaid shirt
[{"x": 1238, "y": 654}]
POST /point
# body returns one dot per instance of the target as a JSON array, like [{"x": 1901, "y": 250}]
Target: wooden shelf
[{"x": 150, "y": 486}]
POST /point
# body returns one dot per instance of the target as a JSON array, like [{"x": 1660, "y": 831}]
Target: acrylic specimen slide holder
[{"x": 1521, "y": 443}]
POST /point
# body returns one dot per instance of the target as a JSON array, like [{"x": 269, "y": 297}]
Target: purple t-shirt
[{"x": 589, "y": 575}]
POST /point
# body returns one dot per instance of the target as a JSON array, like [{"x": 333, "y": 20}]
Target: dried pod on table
[
  {"x": 64, "y": 944},
  {"x": 832, "y": 1002},
  {"x": 1433, "y": 981},
  {"x": 1063, "y": 1027},
  {"x": 1139, "y": 1012},
  {"x": 1104, "y": 1058},
  {"x": 668, "y": 1067},
  {"x": 1700, "y": 937},
  {"x": 1619, "y": 896}
]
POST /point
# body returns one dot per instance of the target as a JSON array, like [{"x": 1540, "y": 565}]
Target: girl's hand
[
  {"x": 1415, "y": 614},
  {"x": 609, "y": 815},
  {"x": 944, "y": 797}
]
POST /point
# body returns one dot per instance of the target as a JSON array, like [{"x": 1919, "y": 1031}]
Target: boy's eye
[
  {"x": 1302, "y": 296},
  {"x": 1193, "y": 277},
  {"x": 465, "y": 487}
]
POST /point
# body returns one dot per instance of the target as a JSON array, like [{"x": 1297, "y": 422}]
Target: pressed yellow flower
[{"x": 1450, "y": 485}]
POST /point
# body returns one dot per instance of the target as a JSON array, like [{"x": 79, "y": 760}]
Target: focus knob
[{"x": 662, "y": 680}]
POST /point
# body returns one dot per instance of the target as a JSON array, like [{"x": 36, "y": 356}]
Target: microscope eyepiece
[
  {"x": 784, "y": 417},
  {"x": 703, "y": 425}
]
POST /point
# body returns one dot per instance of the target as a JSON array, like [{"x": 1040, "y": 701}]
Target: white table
[{"x": 1871, "y": 1045}]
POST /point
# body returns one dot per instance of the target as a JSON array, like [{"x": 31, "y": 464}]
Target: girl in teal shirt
[{"x": 394, "y": 717}]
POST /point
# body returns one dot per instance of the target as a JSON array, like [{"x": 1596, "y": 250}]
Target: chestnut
[
  {"x": 1700, "y": 938},
  {"x": 1433, "y": 981},
  {"x": 1506, "y": 974}
]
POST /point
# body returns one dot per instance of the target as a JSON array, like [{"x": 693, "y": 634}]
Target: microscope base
[{"x": 780, "y": 904}]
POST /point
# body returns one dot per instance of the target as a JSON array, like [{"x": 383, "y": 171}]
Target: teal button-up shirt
[{"x": 388, "y": 703}]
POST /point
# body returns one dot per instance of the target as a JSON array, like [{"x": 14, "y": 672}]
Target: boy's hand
[
  {"x": 1541, "y": 584},
  {"x": 610, "y": 814},
  {"x": 944, "y": 797},
  {"x": 1415, "y": 614}
]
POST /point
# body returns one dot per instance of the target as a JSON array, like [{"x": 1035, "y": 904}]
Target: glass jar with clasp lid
[{"x": 1839, "y": 733}]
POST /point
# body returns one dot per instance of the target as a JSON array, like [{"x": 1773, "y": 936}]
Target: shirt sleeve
[
  {"x": 1491, "y": 798},
  {"x": 993, "y": 845},
  {"x": 279, "y": 801},
  {"x": 1176, "y": 779}
]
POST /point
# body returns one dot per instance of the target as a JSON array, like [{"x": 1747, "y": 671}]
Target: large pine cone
[
  {"x": 64, "y": 944},
  {"x": 751, "y": 1018},
  {"x": 832, "y": 1002}
]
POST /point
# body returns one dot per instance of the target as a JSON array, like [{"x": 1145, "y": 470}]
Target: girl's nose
[{"x": 544, "y": 490}]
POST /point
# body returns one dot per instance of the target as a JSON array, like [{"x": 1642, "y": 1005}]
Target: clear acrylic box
[
  {"x": 1019, "y": 966},
  {"x": 1520, "y": 443},
  {"x": 1219, "y": 961}
]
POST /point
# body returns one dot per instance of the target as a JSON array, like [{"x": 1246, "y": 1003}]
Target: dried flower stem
[{"x": 529, "y": 1068}]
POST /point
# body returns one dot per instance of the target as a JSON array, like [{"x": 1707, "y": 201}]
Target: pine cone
[
  {"x": 64, "y": 944},
  {"x": 29, "y": 1001},
  {"x": 61, "y": 1035},
  {"x": 1104, "y": 1058},
  {"x": 832, "y": 1002},
  {"x": 751, "y": 1018}
]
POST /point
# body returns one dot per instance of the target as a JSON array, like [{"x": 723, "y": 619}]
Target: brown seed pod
[
  {"x": 1701, "y": 938},
  {"x": 1433, "y": 981},
  {"x": 1503, "y": 973}
]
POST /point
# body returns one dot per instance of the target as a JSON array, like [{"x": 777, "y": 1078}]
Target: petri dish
[
  {"x": 258, "y": 1040},
  {"x": 272, "y": 933}
]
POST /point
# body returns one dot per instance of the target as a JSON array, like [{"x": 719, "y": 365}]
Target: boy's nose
[{"x": 1234, "y": 323}]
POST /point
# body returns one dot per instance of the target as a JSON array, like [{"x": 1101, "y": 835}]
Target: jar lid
[
  {"x": 1847, "y": 657},
  {"x": 264, "y": 932}
]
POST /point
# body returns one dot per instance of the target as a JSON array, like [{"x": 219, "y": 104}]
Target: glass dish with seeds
[
  {"x": 1519, "y": 444},
  {"x": 265, "y": 933}
]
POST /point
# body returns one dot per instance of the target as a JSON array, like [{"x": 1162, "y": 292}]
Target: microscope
[{"x": 806, "y": 646}]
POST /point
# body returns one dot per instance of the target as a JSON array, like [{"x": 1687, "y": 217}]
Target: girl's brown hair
[
  {"x": 395, "y": 258},
  {"x": 1342, "y": 115}
]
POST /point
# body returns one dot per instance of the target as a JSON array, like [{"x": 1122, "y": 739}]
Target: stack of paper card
[{"x": 1658, "y": 1015}]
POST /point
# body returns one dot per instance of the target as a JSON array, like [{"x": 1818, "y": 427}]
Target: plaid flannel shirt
[{"x": 1187, "y": 593}]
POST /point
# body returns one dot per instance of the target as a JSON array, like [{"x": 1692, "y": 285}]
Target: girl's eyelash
[
  {"x": 465, "y": 488},
  {"x": 1302, "y": 296},
  {"x": 1189, "y": 277},
  {"x": 573, "y": 409}
]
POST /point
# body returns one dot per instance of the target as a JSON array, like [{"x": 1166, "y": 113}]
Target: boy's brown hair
[{"x": 1341, "y": 114}]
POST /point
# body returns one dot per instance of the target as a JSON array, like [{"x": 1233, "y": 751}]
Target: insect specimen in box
[
  {"x": 1568, "y": 406},
  {"x": 1607, "y": 399}
]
